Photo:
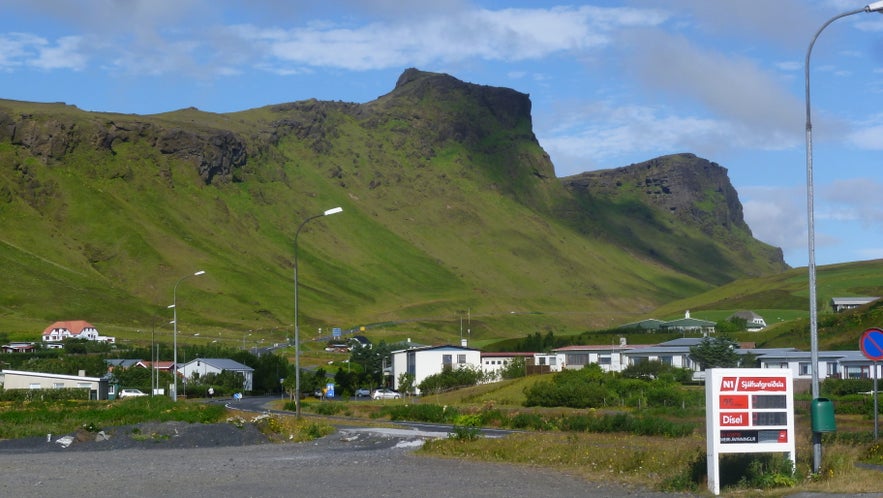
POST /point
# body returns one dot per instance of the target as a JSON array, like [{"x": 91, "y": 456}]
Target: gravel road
[{"x": 221, "y": 460}]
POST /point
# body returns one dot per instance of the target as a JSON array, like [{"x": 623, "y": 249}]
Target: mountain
[
  {"x": 681, "y": 210},
  {"x": 450, "y": 207}
]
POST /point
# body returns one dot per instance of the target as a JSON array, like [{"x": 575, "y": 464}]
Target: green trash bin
[{"x": 822, "y": 414}]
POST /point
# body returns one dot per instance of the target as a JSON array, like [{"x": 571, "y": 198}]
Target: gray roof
[{"x": 223, "y": 364}]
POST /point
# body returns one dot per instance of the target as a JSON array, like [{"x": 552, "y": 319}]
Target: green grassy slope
[{"x": 449, "y": 205}]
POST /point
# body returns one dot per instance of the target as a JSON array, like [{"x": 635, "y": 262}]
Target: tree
[
  {"x": 717, "y": 352},
  {"x": 516, "y": 368},
  {"x": 406, "y": 383}
]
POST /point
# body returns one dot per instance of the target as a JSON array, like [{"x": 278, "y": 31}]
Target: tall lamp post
[
  {"x": 811, "y": 236},
  {"x": 296, "y": 327},
  {"x": 174, "y": 307}
]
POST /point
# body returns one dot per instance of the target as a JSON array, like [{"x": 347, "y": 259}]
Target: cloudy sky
[{"x": 612, "y": 82}]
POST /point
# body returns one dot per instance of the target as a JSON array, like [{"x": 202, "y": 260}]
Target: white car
[
  {"x": 131, "y": 393},
  {"x": 385, "y": 394}
]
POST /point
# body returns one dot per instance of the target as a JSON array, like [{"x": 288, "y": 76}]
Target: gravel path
[{"x": 221, "y": 460}]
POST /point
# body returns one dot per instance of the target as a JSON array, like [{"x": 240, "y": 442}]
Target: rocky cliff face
[
  {"x": 680, "y": 195},
  {"x": 215, "y": 153},
  {"x": 689, "y": 188}
]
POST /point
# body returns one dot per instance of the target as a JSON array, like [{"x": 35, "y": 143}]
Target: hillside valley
[{"x": 451, "y": 209}]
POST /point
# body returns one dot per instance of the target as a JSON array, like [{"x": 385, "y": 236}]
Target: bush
[
  {"x": 450, "y": 378},
  {"x": 529, "y": 421},
  {"x": 623, "y": 422},
  {"x": 44, "y": 394},
  {"x": 419, "y": 413}
]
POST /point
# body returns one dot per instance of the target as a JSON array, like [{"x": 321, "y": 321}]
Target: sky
[{"x": 611, "y": 82}]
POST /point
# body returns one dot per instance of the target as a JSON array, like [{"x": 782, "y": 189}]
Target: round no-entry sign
[{"x": 871, "y": 344}]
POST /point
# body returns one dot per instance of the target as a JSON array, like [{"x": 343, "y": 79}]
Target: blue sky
[{"x": 612, "y": 82}]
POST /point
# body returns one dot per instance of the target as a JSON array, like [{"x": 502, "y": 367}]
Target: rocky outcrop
[
  {"x": 692, "y": 189},
  {"x": 216, "y": 153}
]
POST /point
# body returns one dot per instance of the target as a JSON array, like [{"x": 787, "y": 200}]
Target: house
[
  {"x": 836, "y": 364},
  {"x": 74, "y": 329},
  {"x": 201, "y": 367},
  {"x": 753, "y": 321},
  {"x": 421, "y": 362},
  {"x": 609, "y": 356},
  {"x": 98, "y": 387},
  {"x": 547, "y": 362},
  {"x": 651, "y": 324},
  {"x": 19, "y": 347},
  {"x": 840, "y": 304},
  {"x": 674, "y": 353},
  {"x": 689, "y": 325},
  {"x": 123, "y": 363},
  {"x": 494, "y": 363}
]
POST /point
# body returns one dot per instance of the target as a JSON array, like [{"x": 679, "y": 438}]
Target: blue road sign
[{"x": 871, "y": 344}]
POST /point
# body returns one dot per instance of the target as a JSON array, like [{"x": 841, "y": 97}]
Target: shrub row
[{"x": 617, "y": 422}]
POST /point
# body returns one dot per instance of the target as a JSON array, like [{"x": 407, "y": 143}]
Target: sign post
[
  {"x": 871, "y": 344},
  {"x": 748, "y": 410}
]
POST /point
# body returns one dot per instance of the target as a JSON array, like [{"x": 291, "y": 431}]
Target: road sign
[{"x": 871, "y": 344}]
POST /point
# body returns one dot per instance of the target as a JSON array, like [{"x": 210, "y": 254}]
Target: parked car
[
  {"x": 363, "y": 393},
  {"x": 385, "y": 394},
  {"x": 131, "y": 393}
]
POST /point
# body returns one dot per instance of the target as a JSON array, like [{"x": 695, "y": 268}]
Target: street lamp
[
  {"x": 811, "y": 236},
  {"x": 296, "y": 328},
  {"x": 174, "y": 307}
]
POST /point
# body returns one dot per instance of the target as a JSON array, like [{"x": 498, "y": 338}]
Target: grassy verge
[{"x": 37, "y": 418}]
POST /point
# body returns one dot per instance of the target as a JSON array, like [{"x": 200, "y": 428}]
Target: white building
[
  {"x": 201, "y": 367},
  {"x": 73, "y": 329},
  {"x": 493, "y": 363},
  {"x": 98, "y": 387},
  {"x": 430, "y": 360}
]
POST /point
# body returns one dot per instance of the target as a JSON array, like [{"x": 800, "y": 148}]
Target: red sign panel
[
  {"x": 734, "y": 401},
  {"x": 734, "y": 419},
  {"x": 752, "y": 384}
]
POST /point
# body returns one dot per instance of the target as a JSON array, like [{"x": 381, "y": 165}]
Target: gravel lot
[{"x": 221, "y": 460}]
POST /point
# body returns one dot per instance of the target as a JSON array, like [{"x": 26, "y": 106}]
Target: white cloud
[
  {"x": 776, "y": 216},
  {"x": 65, "y": 54},
  {"x": 734, "y": 87},
  {"x": 853, "y": 199}
]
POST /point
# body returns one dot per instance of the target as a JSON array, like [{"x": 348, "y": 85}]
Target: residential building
[
  {"x": 547, "y": 362},
  {"x": 494, "y": 363},
  {"x": 73, "y": 329},
  {"x": 689, "y": 324},
  {"x": 753, "y": 321},
  {"x": 421, "y": 362},
  {"x": 609, "y": 357},
  {"x": 840, "y": 304},
  {"x": 19, "y": 347},
  {"x": 201, "y": 367},
  {"x": 98, "y": 387}
]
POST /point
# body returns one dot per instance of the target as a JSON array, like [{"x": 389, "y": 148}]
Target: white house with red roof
[{"x": 74, "y": 329}]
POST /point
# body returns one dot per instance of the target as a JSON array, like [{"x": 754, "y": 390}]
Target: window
[
  {"x": 58, "y": 385},
  {"x": 577, "y": 359},
  {"x": 461, "y": 358},
  {"x": 604, "y": 359},
  {"x": 447, "y": 359},
  {"x": 34, "y": 385},
  {"x": 553, "y": 361},
  {"x": 803, "y": 368}
]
